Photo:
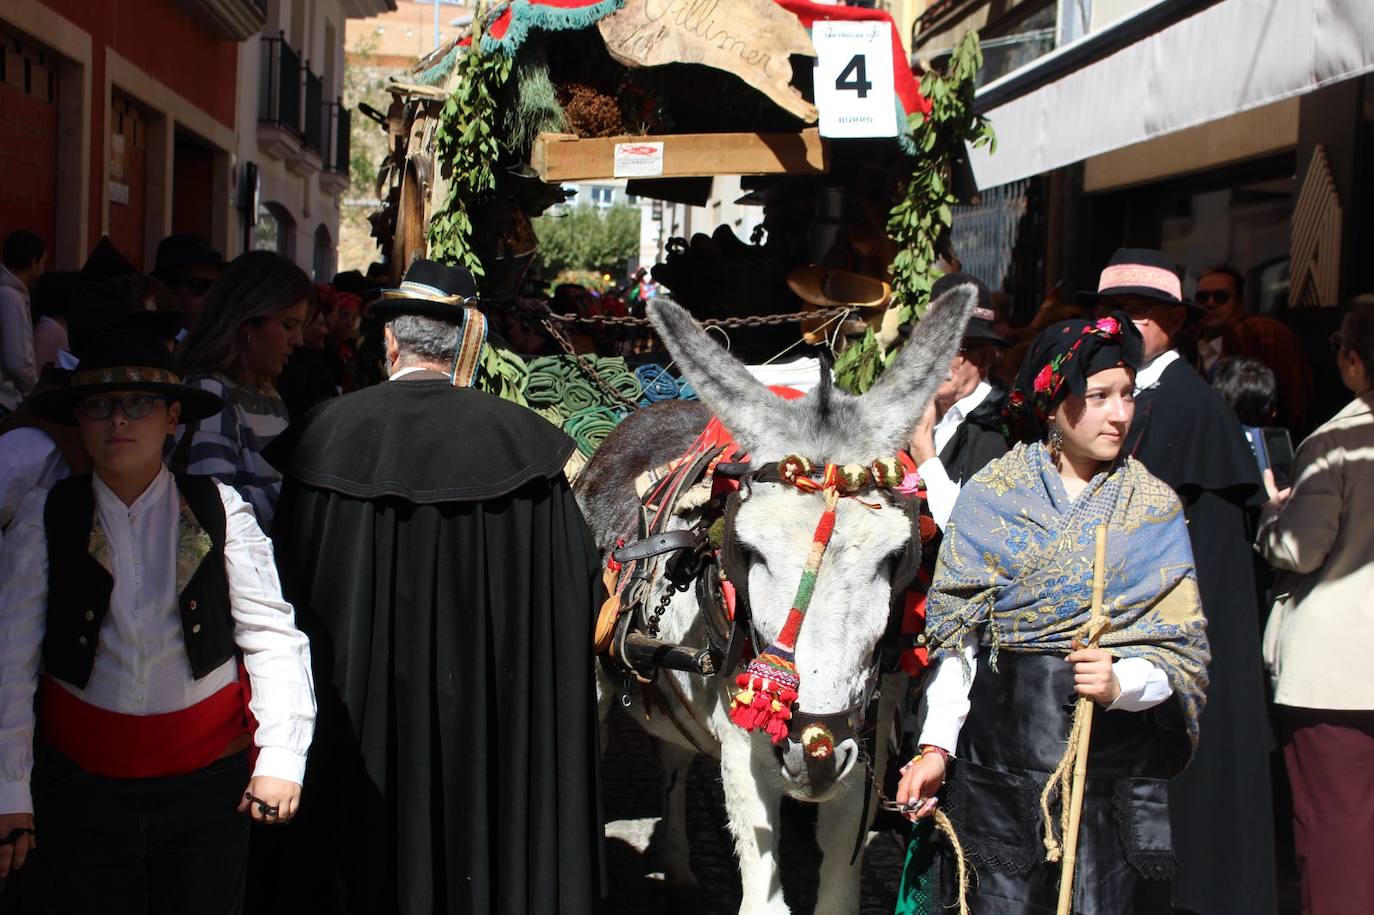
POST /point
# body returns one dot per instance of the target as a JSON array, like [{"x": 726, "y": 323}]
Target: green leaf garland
[
  {"x": 466, "y": 146},
  {"x": 925, "y": 212}
]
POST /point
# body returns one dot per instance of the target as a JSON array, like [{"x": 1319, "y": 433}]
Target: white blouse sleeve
[{"x": 275, "y": 652}]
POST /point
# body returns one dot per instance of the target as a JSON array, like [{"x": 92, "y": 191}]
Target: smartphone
[
  {"x": 1273, "y": 450},
  {"x": 1278, "y": 447}
]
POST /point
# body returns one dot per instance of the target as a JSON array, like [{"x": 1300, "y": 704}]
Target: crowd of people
[{"x": 234, "y": 532}]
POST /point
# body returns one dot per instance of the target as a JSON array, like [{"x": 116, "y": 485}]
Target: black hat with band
[
  {"x": 980, "y": 329},
  {"x": 432, "y": 290},
  {"x": 1143, "y": 272},
  {"x": 126, "y": 360}
]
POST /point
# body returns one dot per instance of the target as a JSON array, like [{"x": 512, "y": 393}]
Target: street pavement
[{"x": 632, "y": 801}]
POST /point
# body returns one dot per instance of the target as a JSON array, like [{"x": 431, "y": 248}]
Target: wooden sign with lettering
[{"x": 749, "y": 38}]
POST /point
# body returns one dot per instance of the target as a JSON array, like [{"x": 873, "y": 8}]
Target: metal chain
[
  {"x": 586, "y": 368},
  {"x": 820, "y": 314}
]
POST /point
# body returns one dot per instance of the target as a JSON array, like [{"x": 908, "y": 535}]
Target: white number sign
[{"x": 854, "y": 79}]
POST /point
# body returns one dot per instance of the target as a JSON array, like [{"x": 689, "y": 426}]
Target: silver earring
[{"x": 1055, "y": 440}]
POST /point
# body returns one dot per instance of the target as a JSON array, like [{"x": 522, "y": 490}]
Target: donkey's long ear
[
  {"x": 893, "y": 406},
  {"x": 751, "y": 411}
]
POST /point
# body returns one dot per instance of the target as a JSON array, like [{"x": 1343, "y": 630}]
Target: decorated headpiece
[
  {"x": 770, "y": 684},
  {"x": 1060, "y": 362}
]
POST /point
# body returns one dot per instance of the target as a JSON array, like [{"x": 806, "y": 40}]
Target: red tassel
[{"x": 757, "y": 705}]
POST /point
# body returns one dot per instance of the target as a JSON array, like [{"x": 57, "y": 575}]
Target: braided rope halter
[{"x": 769, "y": 685}]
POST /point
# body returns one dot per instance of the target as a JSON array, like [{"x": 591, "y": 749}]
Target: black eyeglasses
[
  {"x": 1220, "y": 296},
  {"x": 134, "y": 406}
]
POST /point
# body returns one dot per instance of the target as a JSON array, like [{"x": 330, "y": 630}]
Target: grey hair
[{"x": 424, "y": 338}]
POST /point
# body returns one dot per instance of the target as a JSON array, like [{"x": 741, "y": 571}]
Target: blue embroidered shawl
[{"x": 1016, "y": 568}]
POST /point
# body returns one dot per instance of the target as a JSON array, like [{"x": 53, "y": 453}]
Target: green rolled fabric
[{"x": 589, "y": 428}]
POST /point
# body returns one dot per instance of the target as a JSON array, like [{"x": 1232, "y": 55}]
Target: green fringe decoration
[
  {"x": 526, "y": 15},
  {"x": 436, "y": 74},
  {"x": 532, "y": 107}
]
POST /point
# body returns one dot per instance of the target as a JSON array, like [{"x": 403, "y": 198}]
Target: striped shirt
[{"x": 228, "y": 445}]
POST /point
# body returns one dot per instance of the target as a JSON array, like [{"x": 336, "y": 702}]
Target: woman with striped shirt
[{"x": 251, "y": 321}]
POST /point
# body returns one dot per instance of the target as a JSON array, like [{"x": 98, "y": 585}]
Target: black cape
[
  {"x": 1221, "y": 807},
  {"x": 978, "y": 441},
  {"x": 448, "y": 584}
]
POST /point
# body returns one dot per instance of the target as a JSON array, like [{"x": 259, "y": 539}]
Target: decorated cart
[{"x": 850, "y": 156}]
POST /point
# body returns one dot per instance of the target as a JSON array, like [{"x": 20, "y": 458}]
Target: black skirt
[{"x": 1013, "y": 740}]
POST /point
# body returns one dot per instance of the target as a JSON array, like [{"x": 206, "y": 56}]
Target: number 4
[{"x": 857, "y": 69}]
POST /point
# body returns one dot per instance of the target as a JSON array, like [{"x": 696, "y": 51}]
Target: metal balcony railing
[
  {"x": 315, "y": 112},
  {"x": 279, "y": 94},
  {"x": 341, "y": 140},
  {"x": 337, "y": 120}
]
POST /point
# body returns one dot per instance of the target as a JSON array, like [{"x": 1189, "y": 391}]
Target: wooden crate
[{"x": 563, "y": 157}]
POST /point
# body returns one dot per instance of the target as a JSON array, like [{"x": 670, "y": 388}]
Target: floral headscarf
[{"x": 1060, "y": 362}]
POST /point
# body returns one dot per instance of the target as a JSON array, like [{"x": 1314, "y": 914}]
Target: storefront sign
[
  {"x": 752, "y": 39},
  {"x": 854, "y": 79},
  {"x": 638, "y": 160}
]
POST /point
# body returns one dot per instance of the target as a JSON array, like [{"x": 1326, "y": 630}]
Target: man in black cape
[
  {"x": 1184, "y": 433},
  {"x": 448, "y": 584}
]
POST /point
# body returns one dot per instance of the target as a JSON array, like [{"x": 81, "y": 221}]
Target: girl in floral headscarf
[{"x": 1007, "y": 620}]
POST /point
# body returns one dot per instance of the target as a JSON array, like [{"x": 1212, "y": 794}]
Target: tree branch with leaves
[
  {"x": 467, "y": 146},
  {"x": 924, "y": 214}
]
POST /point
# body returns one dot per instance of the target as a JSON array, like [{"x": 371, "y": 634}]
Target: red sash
[{"x": 116, "y": 745}]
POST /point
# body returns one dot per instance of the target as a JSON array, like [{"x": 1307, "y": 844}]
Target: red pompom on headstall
[{"x": 769, "y": 685}]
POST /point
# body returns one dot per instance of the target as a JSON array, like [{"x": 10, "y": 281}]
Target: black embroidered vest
[{"x": 79, "y": 588}]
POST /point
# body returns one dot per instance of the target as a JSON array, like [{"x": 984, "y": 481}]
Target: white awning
[{"x": 1231, "y": 57}]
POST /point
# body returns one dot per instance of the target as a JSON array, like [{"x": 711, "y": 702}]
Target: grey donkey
[{"x": 835, "y": 652}]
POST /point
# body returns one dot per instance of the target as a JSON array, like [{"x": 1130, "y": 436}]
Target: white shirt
[
  {"x": 408, "y": 370},
  {"x": 1150, "y": 373},
  {"x": 947, "y": 704},
  {"x": 29, "y": 460},
  {"x": 941, "y": 491},
  {"x": 141, "y": 667}
]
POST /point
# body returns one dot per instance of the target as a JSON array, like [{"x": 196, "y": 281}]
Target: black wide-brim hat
[
  {"x": 981, "y": 320},
  {"x": 182, "y": 251},
  {"x": 430, "y": 289},
  {"x": 124, "y": 360},
  {"x": 1145, "y": 272}
]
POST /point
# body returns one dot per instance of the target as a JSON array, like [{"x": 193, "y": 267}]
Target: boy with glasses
[{"x": 144, "y": 612}]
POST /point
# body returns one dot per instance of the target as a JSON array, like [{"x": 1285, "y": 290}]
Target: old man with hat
[
  {"x": 961, "y": 431},
  {"x": 142, "y": 611},
  {"x": 1185, "y": 434},
  {"x": 448, "y": 584}
]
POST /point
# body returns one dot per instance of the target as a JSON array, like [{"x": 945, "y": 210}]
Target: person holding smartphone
[{"x": 1319, "y": 536}]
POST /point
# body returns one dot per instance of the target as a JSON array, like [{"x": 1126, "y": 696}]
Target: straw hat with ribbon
[{"x": 822, "y": 287}]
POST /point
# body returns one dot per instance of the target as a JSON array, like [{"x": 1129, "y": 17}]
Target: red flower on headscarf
[
  {"x": 1044, "y": 379},
  {"x": 1109, "y": 324},
  {"x": 1016, "y": 398}
]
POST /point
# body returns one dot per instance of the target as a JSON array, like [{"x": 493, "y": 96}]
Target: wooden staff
[{"x": 1084, "y": 716}]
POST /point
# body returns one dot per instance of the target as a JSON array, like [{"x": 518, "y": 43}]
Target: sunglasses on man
[
  {"x": 1204, "y": 296},
  {"x": 133, "y": 406}
]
